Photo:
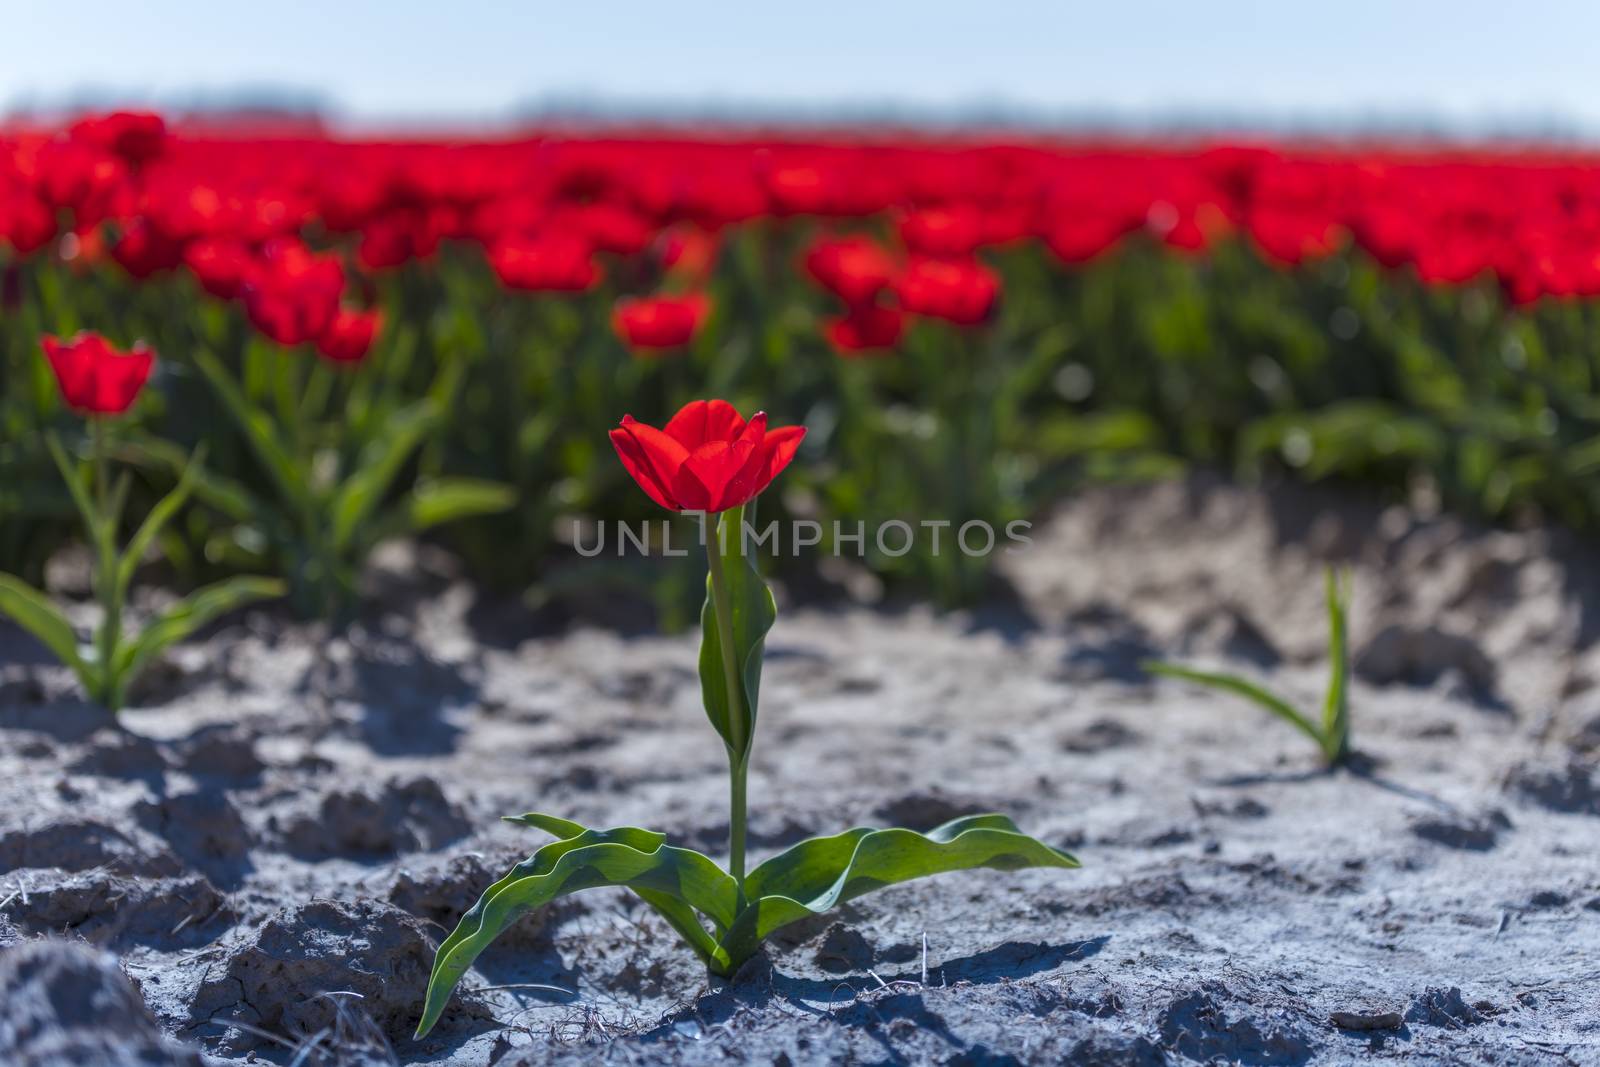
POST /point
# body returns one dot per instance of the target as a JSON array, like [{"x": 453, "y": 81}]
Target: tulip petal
[
  {"x": 778, "y": 449},
  {"x": 652, "y": 458},
  {"x": 700, "y": 421},
  {"x": 750, "y": 476}
]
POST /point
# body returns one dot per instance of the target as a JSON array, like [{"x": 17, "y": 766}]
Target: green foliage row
[{"x": 475, "y": 398}]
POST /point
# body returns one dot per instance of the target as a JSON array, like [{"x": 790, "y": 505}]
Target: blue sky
[{"x": 1467, "y": 62}]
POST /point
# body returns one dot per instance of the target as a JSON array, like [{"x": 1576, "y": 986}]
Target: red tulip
[
  {"x": 689, "y": 252},
  {"x": 143, "y": 251},
  {"x": 95, "y": 378},
  {"x": 556, "y": 263},
  {"x": 855, "y": 269},
  {"x": 26, "y": 223},
  {"x": 708, "y": 458},
  {"x": 292, "y": 295},
  {"x": 349, "y": 337},
  {"x": 961, "y": 291},
  {"x": 654, "y": 322},
  {"x": 943, "y": 231},
  {"x": 136, "y": 136},
  {"x": 220, "y": 266},
  {"x": 865, "y": 330}
]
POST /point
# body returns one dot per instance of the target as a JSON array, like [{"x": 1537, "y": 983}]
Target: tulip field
[
  {"x": 1413, "y": 319},
  {"x": 1140, "y": 591}
]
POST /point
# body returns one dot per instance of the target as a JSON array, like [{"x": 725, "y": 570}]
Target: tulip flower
[
  {"x": 557, "y": 263},
  {"x": 349, "y": 337},
  {"x": 219, "y": 265},
  {"x": 855, "y": 269},
  {"x": 708, "y": 458},
  {"x": 292, "y": 294},
  {"x": 961, "y": 291},
  {"x": 95, "y": 378},
  {"x": 658, "y": 322},
  {"x": 866, "y": 330}
]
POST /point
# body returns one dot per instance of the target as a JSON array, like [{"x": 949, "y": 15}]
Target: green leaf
[
  {"x": 441, "y": 500},
  {"x": 819, "y": 874},
  {"x": 257, "y": 427},
  {"x": 639, "y": 859},
  {"x": 752, "y": 611},
  {"x": 153, "y": 524},
  {"x": 226, "y": 495},
  {"x": 185, "y": 617},
  {"x": 1238, "y": 686},
  {"x": 380, "y": 464},
  {"x": 1336, "y": 708},
  {"x": 33, "y": 611},
  {"x": 78, "y": 485}
]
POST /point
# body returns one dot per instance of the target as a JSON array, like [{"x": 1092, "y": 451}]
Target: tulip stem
[
  {"x": 104, "y": 534},
  {"x": 738, "y": 748}
]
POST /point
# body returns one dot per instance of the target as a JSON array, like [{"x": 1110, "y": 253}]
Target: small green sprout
[{"x": 1332, "y": 735}]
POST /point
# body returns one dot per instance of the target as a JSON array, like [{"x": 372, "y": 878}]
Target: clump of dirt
[
  {"x": 1572, "y": 787},
  {"x": 205, "y": 830},
  {"x": 223, "y": 751},
  {"x": 1210, "y": 1024},
  {"x": 440, "y": 889},
  {"x": 76, "y": 844},
  {"x": 66, "y": 1005},
  {"x": 1477, "y": 833},
  {"x": 402, "y": 815},
  {"x": 1443, "y": 1007},
  {"x": 117, "y": 910},
  {"x": 284, "y": 977}
]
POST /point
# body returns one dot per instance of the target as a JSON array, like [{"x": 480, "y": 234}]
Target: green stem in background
[
  {"x": 738, "y": 746},
  {"x": 104, "y": 532}
]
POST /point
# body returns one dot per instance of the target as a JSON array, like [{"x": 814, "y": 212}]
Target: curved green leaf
[
  {"x": 1336, "y": 707},
  {"x": 441, "y": 500},
  {"x": 225, "y": 494},
  {"x": 185, "y": 617},
  {"x": 753, "y": 612},
  {"x": 154, "y": 522},
  {"x": 1232, "y": 683},
  {"x": 824, "y": 872},
  {"x": 281, "y": 468},
  {"x": 437, "y": 501},
  {"x": 681, "y": 879},
  {"x": 33, "y": 611},
  {"x": 380, "y": 464}
]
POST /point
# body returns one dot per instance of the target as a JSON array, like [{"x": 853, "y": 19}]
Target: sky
[{"x": 1467, "y": 63}]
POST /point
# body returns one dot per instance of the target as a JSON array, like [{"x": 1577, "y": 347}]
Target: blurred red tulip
[
  {"x": 855, "y": 269},
  {"x": 219, "y": 265},
  {"x": 95, "y": 378},
  {"x": 144, "y": 251},
  {"x": 292, "y": 294},
  {"x": 707, "y": 458},
  {"x": 657, "y": 322},
  {"x": 136, "y": 136},
  {"x": 349, "y": 337},
  {"x": 866, "y": 330},
  {"x": 956, "y": 290},
  {"x": 557, "y": 263}
]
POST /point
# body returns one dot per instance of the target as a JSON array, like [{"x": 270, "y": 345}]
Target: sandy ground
[{"x": 290, "y": 822}]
